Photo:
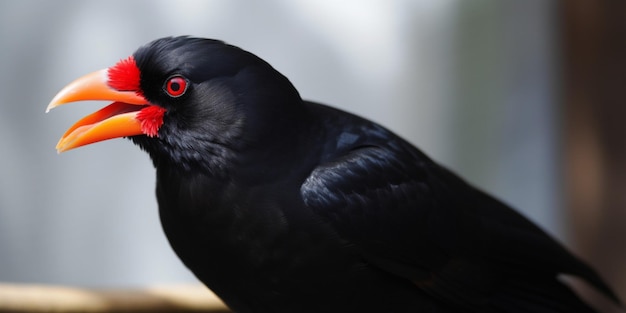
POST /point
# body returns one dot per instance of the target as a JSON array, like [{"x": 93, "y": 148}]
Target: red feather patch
[
  {"x": 151, "y": 118},
  {"x": 124, "y": 76}
]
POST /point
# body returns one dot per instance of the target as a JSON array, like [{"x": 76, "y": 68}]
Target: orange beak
[{"x": 118, "y": 119}]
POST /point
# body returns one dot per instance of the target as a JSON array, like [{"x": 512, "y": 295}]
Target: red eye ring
[{"x": 175, "y": 86}]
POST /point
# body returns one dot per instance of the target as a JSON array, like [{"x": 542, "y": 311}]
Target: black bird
[{"x": 283, "y": 205}]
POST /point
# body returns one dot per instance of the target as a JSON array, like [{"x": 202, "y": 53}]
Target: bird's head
[{"x": 183, "y": 99}]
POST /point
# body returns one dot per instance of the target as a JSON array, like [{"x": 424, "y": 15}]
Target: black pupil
[{"x": 175, "y": 86}]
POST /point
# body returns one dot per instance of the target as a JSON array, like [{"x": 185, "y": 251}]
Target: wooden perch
[{"x": 39, "y": 298}]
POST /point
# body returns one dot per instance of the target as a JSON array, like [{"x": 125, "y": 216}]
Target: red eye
[{"x": 175, "y": 86}]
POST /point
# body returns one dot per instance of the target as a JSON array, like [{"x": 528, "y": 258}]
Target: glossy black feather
[{"x": 282, "y": 205}]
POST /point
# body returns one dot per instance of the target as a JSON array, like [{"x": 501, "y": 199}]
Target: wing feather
[{"x": 414, "y": 219}]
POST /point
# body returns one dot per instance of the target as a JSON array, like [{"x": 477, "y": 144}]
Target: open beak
[{"x": 118, "y": 119}]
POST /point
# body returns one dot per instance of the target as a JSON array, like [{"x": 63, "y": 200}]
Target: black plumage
[{"x": 284, "y": 205}]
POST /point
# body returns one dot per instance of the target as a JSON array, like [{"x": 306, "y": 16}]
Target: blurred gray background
[{"x": 472, "y": 83}]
